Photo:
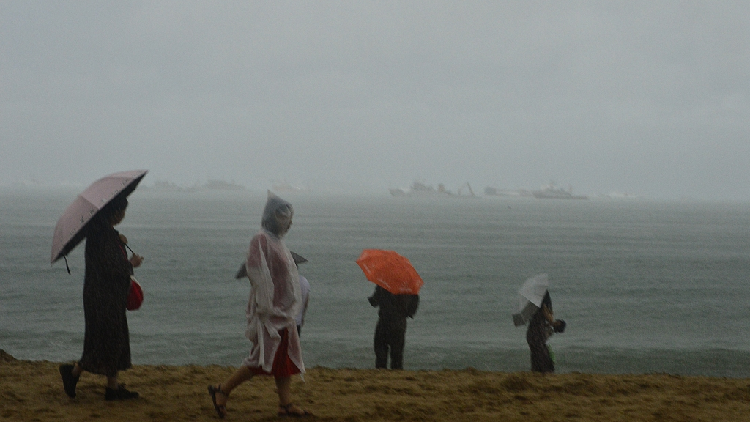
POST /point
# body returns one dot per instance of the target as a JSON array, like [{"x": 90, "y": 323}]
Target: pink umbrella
[{"x": 69, "y": 229}]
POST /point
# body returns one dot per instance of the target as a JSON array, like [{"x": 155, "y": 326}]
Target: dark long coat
[
  {"x": 106, "y": 344},
  {"x": 536, "y": 337}
]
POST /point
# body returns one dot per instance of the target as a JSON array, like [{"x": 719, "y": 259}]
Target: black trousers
[{"x": 390, "y": 334}]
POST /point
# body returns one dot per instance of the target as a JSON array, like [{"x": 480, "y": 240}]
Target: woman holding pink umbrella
[{"x": 106, "y": 344}]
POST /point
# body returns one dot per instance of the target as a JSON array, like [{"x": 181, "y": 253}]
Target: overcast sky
[{"x": 648, "y": 98}]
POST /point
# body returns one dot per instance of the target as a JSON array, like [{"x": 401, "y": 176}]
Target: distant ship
[
  {"x": 419, "y": 189},
  {"x": 286, "y": 187},
  {"x": 215, "y": 184},
  {"x": 619, "y": 195},
  {"x": 165, "y": 186},
  {"x": 490, "y": 191},
  {"x": 553, "y": 192}
]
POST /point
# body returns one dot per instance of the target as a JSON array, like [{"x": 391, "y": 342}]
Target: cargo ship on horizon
[{"x": 553, "y": 192}]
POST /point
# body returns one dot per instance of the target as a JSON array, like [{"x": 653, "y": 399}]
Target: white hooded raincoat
[{"x": 274, "y": 300}]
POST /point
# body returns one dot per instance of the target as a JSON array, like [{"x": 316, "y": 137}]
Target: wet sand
[{"x": 32, "y": 391}]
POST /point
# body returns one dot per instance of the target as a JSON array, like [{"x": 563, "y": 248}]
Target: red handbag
[{"x": 135, "y": 295}]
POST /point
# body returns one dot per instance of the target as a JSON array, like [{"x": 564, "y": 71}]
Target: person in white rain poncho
[{"x": 274, "y": 301}]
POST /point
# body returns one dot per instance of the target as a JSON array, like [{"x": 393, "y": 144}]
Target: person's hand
[{"x": 136, "y": 260}]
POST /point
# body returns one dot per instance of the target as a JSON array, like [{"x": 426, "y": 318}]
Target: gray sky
[{"x": 651, "y": 98}]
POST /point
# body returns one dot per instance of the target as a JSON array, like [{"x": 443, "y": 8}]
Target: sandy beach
[{"x": 32, "y": 391}]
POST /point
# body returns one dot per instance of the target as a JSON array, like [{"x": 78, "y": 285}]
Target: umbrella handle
[{"x": 134, "y": 254}]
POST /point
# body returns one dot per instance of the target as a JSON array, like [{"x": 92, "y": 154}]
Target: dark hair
[{"x": 114, "y": 206}]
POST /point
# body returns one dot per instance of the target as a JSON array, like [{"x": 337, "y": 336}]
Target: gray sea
[{"x": 644, "y": 286}]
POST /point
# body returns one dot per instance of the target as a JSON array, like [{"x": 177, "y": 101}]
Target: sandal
[
  {"x": 221, "y": 409},
  {"x": 286, "y": 410}
]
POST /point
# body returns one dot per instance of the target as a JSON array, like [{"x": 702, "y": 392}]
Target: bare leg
[
  {"x": 284, "y": 386},
  {"x": 242, "y": 374},
  {"x": 286, "y": 407},
  {"x": 239, "y": 376}
]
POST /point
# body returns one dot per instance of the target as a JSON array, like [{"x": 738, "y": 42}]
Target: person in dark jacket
[
  {"x": 390, "y": 332},
  {"x": 541, "y": 327},
  {"x": 106, "y": 342}
]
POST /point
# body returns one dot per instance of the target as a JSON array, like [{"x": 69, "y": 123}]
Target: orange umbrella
[{"x": 390, "y": 271}]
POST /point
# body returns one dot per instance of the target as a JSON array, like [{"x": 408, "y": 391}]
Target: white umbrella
[
  {"x": 531, "y": 295},
  {"x": 69, "y": 229}
]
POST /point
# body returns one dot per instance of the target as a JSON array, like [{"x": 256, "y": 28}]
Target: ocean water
[{"x": 644, "y": 286}]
